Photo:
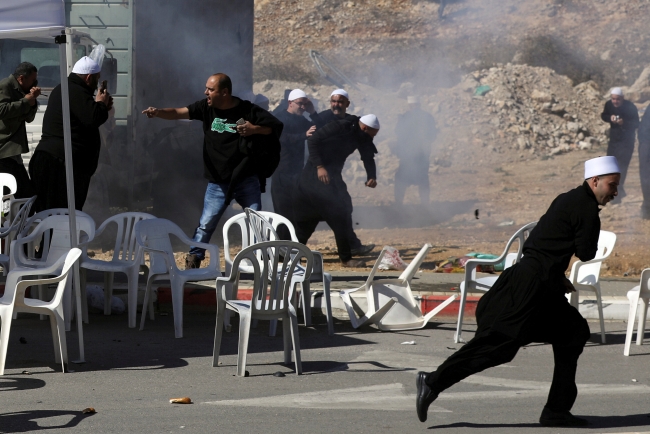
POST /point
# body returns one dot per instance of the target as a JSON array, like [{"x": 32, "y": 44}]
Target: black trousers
[
  {"x": 622, "y": 150},
  {"x": 14, "y": 166},
  {"x": 563, "y": 327},
  {"x": 315, "y": 201},
  {"x": 48, "y": 176}
]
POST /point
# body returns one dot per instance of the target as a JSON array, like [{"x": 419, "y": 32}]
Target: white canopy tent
[{"x": 44, "y": 21}]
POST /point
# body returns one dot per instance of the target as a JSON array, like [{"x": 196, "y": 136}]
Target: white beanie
[
  {"x": 370, "y": 120},
  {"x": 86, "y": 65},
  {"x": 341, "y": 92},
  {"x": 295, "y": 94},
  {"x": 601, "y": 166},
  {"x": 617, "y": 91}
]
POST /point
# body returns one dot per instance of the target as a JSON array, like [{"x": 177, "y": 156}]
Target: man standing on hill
[
  {"x": 515, "y": 311},
  {"x": 623, "y": 118},
  {"x": 233, "y": 130},
  {"x": 415, "y": 132},
  {"x": 18, "y": 105}
]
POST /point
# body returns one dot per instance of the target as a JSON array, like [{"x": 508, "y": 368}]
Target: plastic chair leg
[
  {"x": 244, "y": 333},
  {"x": 218, "y": 332},
  {"x": 5, "y": 322},
  {"x": 461, "y": 314},
  {"x": 177, "y": 287},
  {"x": 328, "y": 303},
  {"x": 305, "y": 298},
  {"x": 286, "y": 340},
  {"x": 642, "y": 320},
  {"x": 63, "y": 345},
  {"x": 145, "y": 304},
  {"x": 634, "y": 302},
  {"x": 599, "y": 301},
  {"x": 108, "y": 292},
  {"x": 55, "y": 338},
  {"x": 132, "y": 294},
  {"x": 42, "y": 290},
  {"x": 68, "y": 311},
  {"x": 295, "y": 340}
]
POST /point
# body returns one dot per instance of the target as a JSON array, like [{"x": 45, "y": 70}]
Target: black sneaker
[
  {"x": 362, "y": 250},
  {"x": 553, "y": 418},
  {"x": 192, "y": 261}
]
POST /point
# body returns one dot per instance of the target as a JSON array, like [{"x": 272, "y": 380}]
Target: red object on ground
[{"x": 430, "y": 302}]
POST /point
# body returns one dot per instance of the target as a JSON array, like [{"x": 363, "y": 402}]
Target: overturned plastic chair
[
  {"x": 272, "y": 294},
  {"x": 155, "y": 238},
  {"x": 126, "y": 259},
  {"x": 11, "y": 228},
  {"x": 638, "y": 294},
  {"x": 483, "y": 284},
  {"x": 585, "y": 276},
  {"x": 318, "y": 273},
  {"x": 391, "y": 305},
  {"x": 14, "y": 300}
]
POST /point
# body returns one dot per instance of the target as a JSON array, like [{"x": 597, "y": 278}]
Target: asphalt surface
[{"x": 358, "y": 381}]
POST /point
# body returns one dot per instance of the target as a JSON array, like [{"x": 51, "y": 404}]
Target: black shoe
[
  {"x": 362, "y": 250},
  {"x": 424, "y": 397},
  {"x": 353, "y": 263},
  {"x": 560, "y": 418},
  {"x": 192, "y": 261}
]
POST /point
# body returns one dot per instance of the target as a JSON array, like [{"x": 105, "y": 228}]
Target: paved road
[{"x": 356, "y": 381}]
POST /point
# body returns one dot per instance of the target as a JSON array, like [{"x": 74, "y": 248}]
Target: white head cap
[
  {"x": 412, "y": 99},
  {"x": 296, "y": 93},
  {"x": 341, "y": 92},
  {"x": 370, "y": 120},
  {"x": 601, "y": 166},
  {"x": 86, "y": 65},
  {"x": 616, "y": 91}
]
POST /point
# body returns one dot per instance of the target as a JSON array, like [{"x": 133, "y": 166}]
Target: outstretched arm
[{"x": 169, "y": 114}]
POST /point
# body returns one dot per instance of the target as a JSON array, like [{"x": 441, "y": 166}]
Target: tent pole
[{"x": 64, "y": 52}]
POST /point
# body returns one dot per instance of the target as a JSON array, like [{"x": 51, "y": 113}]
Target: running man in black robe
[
  {"x": 322, "y": 194},
  {"x": 516, "y": 311},
  {"x": 292, "y": 156}
]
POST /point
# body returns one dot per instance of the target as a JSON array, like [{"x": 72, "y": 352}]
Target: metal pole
[{"x": 65, "y": 61}]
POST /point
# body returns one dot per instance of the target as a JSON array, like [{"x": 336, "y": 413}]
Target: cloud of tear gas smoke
[{"x": 178, "y": 45}]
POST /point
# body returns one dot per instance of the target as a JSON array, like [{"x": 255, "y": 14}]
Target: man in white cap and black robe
[
  {"x": 339, "y": 104},
  {"x": 528, "y": 303},
  {"x": 322, "y": 194},
  {"x": 623, "y": 118},
  {"x": 87, "y": 113},
  {"x": 292, "y": 156}
]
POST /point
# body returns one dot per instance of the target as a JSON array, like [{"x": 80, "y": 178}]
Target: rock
[
  {"x": 606, "y": 55},
  {"x": 584, "y": 145},
  {"x": 573, "y": 127},
  {"x": 541, "y": 96}
]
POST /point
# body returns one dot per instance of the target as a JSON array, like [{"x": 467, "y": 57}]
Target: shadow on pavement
[
  {"x": 28, "y": 421},
  {"x": 595, "y": 422},
  {"x": 9, "y": 384}
]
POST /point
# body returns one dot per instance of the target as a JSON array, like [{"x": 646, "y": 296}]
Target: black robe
[{"x": 529, "y": 290}]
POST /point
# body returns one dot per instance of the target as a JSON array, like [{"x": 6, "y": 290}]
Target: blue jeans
[{"x": 247, "y": 194}]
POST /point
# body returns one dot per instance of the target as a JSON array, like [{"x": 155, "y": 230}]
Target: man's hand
[
  {"x": 311, "y": 130},
  {"x": 248, "y": 129},
  {"x": 371, "y": 183},
  {"x": 323, "y": 176},
  {"x": 568, "y": 287},
  {"x": 104, "y": 97},
  {"x": 151, "y": 112},
  {"x": 34, "y": 92},
  {"x": 309, "y": 107},
  {"x": 617, "y": 120}
]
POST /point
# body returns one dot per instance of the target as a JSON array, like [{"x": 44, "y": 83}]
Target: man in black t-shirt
[{"x": 231, "y": 127}]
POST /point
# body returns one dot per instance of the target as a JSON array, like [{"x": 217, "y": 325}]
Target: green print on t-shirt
[{"x": 220, "y": 126}]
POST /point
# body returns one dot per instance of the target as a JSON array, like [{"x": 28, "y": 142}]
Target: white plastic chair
[
  {"x": 154, "y": 236},
  {"x": 483, "y": 284},
  {"x": 391, "y": 305},
  {"x": 272, "y": 295},
  {"x": 9, "y": 181},
  {"x": 12, "y": 227},
  {"x": 640, "y": 293},
  {"x": 585, "y": 276},
  {"x": 317, "y": 273},
  {"x": 57, "y": 245},
  {"x": 14, "y": 300},
  {"x": 126, "y": 259}
]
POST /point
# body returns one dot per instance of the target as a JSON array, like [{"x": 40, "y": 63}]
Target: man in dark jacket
[
  {"x": 87, "y": 114},
  {"x": 339, "y": 104},
  {"x": 623, "y": 118},
  {"x": 292, "y": 156},
  {"x": 234, "y": 130},
  {"x": 18, "y": 105},
  {"x": 322, "y": 194},
  {"x": 644, "y": 163},
  {"x": 515, "y": 311}
]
